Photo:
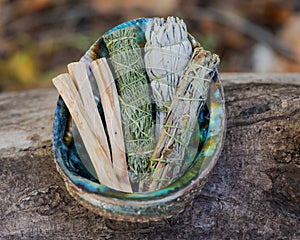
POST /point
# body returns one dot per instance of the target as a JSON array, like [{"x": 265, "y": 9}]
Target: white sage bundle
[
  {"x": 169, "y": 153},
  {"x": 167, "y": 52}
]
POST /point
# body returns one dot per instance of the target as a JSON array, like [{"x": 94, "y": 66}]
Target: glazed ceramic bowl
[{"x": 148, "y": 206}]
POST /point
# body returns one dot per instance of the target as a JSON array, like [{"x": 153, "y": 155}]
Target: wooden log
[{"x": 253, "y": 192}]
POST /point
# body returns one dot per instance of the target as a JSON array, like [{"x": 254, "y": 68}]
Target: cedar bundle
[{"x": 135, "y": 101}]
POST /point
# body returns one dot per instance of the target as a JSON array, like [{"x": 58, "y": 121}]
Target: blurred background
[{"x": 38, "y": 38}]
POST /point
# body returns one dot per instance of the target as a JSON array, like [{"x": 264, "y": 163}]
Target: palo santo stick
[
  {"x": 79, "y": 75},
  {"x": 111, "y": 107},
  {"x": 103, "y": 167},
  {"x": 80, "y": 78}
]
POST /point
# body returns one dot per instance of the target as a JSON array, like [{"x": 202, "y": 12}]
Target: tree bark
[{"x": 253, "y": 192}]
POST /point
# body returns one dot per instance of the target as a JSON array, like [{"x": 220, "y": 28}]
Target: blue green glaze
[{"x": 140, "y": 206}]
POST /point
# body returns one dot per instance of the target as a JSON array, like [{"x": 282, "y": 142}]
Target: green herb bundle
[{"x": 135, "y": 101}]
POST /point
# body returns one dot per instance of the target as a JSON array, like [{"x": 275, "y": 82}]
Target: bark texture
[{"x": 253, "y": 192}]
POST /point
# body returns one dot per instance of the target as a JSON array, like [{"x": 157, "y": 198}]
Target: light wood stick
[
  {"x": 72, "y": 99},
  {"x": 111, "y": 107},
  {"x": 80, "y": 78}
]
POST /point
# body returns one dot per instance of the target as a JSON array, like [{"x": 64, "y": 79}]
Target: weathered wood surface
[{"x": 253, "y": 193}]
